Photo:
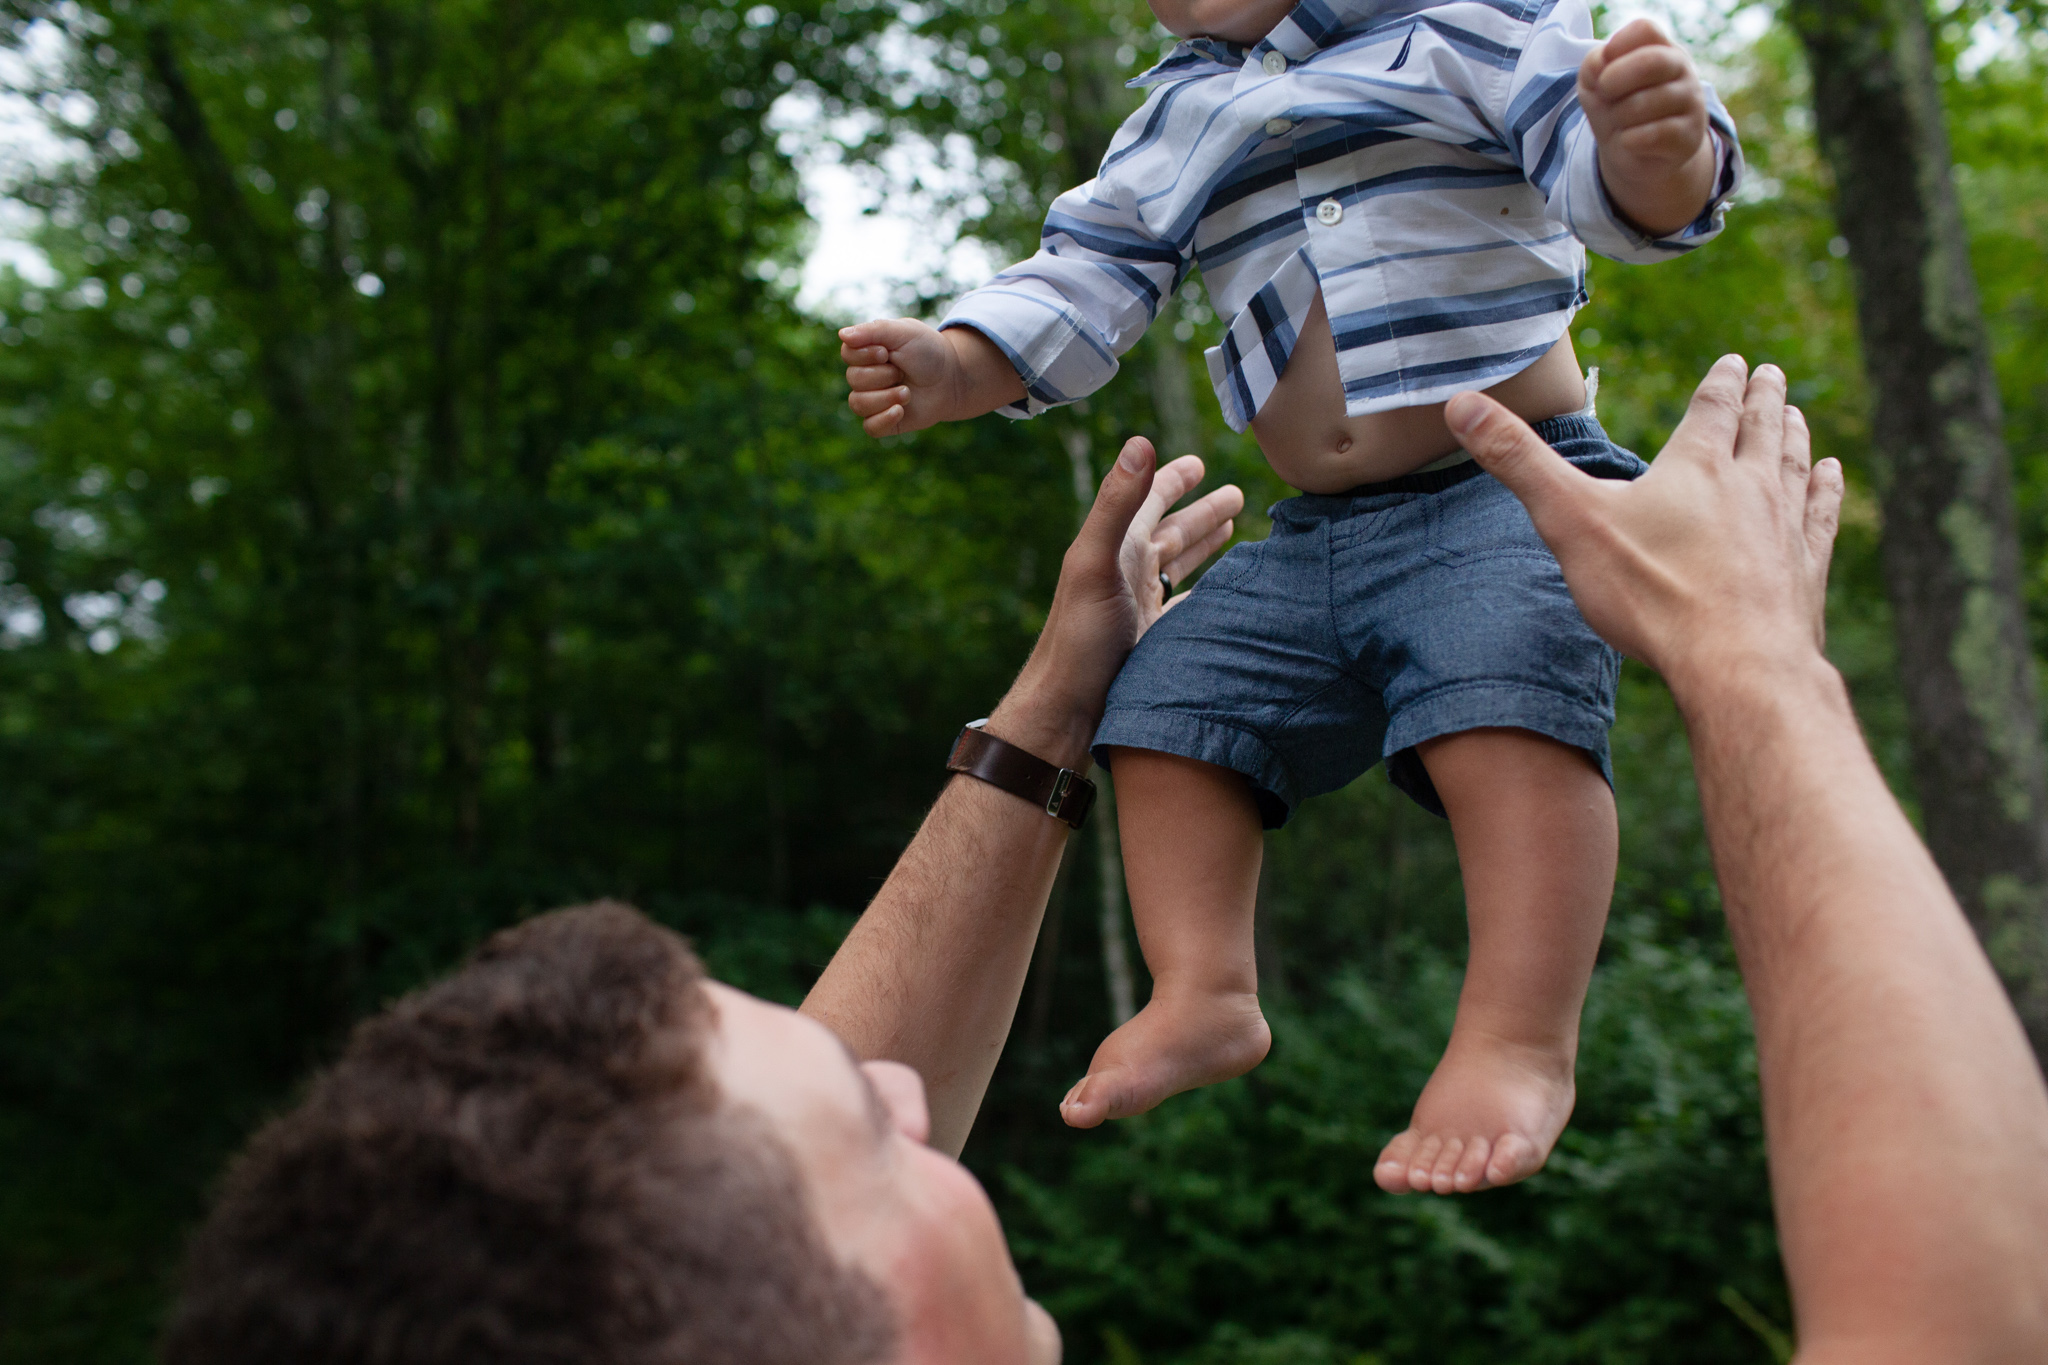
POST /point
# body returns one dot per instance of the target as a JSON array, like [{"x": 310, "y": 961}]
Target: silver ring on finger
[{"x": 1165, "y": 586}]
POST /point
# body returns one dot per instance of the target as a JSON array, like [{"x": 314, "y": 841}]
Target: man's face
[
  {"x": 912, "y": 1218},
  {"x": 1238, "y": 21}
]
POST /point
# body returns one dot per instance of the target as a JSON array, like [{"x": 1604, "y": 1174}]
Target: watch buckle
[{"x": 1058, "y": 799}]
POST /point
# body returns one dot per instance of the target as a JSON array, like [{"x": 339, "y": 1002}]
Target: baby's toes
[
  {"x": 1471, "y": 1172},
  {"x": 1514, "y": 1158},
  {"x": 1391, "y": 1171},
  {"x": 1443, "y": 1176},
  {"x": 1422, "y": 1166}
]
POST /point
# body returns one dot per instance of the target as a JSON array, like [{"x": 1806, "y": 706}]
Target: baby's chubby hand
[
  {"x": 906, "y": 376},
  {"x": 902, "y": 374},
  {"x": 1648, "y": 112}
]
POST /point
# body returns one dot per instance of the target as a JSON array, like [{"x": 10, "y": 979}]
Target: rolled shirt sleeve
[
  {"x": 1101, "y": 272},
  {"x": 1548, "y": 132}
]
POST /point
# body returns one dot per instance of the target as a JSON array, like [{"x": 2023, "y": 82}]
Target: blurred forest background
[{"x": 422, "y": 503}]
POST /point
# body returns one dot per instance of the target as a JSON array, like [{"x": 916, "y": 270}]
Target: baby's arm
[
  {"x": 906, "y": 376},
  {"x": 1048, "y": 330},
  {"x": 1648, "y": 113}
]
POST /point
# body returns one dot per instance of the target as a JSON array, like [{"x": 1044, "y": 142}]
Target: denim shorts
[{"x": 1368, "y": 622}]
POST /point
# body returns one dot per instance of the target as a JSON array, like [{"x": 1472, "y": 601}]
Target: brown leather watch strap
[{"x": 1061, "y": 793}]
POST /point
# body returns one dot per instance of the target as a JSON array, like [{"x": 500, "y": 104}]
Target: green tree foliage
[
  {"x": 420, "y": 504},
  {"x": 420, "y": 508}
]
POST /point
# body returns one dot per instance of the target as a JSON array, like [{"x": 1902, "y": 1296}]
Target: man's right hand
[
  {"x": 1715, "y": 559},
  {"x": 906, "y": 376},
  {"x": 1906, "y": 1120}
]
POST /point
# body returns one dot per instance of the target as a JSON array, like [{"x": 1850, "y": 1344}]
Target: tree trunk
[
  {"x": 1109, "y": 871},
  {"x": 1173, "y": 395},
  {"x": 1112, "y": 917},
  {"x": 1950, "y": 547},
  {"x": 1045, "y": 961}
]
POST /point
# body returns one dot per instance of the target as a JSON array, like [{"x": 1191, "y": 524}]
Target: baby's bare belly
[{"x": 1312, "y": 444}]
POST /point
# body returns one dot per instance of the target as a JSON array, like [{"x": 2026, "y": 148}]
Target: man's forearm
[
  {"x": 950, "y": 937},
  {"x": 931, "y": 974},
  {"x": 1912, "y": 1214}
]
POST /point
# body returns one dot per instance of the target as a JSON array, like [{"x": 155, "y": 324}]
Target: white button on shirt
[
  {"x": 1275, "y": 63},
  {"x": 1329, "y": 213},
  {"x": 1278, "y": 127}
]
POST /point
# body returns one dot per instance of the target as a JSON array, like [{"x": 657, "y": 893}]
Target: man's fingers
[
  {"x": 1824, "y": 493},
  {"x": 1169, "y": 485},
  {"x": 1199, "y": 519},
  {"x": 1795, "y": 457},
  {"x": 1760, "y": 439},
  {"x": 1190, "y": 559},
  {"x": 1798, "y": 452},
  {"x": 1823, "y": 518},
  {"x": 1707, "y": 431},
  {"x": 1175, "y": 480},
  {"x": 1507, "y": 448}
]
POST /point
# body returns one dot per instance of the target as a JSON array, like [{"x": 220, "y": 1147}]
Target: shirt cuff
[
  {"x": 1605, "y": 229},
  {"x": 1055, "y": 351},
  {"x": 1728, "y": 167}
]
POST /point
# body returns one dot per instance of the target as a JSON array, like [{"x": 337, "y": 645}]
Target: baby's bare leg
[
  {"x": 1536, "y": 834},
  {"x": 1192, "y": 845}
]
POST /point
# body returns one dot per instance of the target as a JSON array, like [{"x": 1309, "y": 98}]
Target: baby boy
[{"x": 1391, "y": 203}]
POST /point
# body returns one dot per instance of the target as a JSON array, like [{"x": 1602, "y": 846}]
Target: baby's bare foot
[
  {"x": 1175, "y": 1043},
  {"x": 1489, "y": 1116}
]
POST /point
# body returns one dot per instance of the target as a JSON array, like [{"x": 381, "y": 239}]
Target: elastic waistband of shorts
[{"x": 1557, "y": 431}]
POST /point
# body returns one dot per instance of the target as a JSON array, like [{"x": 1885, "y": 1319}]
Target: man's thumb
[
  {"x": 1117, "y": 501},
  {"x": 1507, "y": 448}
]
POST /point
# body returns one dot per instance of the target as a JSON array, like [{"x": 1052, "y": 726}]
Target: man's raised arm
[
  {"x": 931, "y": 974},
  {"x": 1906, "y": 1119}
]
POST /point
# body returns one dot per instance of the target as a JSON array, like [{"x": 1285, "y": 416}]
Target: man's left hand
[{"x": 1109, "y": 594}]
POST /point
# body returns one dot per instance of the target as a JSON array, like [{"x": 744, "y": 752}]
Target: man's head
[{"x": 578, "y": 1148}]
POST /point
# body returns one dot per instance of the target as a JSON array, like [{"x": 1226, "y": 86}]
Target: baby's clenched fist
[
  {"x": 1648, "y": 112},
  {"x": 905, "y": 376},
  {"x": 900, "y": 372}
]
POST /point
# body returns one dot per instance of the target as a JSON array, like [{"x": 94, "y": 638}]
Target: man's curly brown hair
[{"x": 526, "y": 1162}]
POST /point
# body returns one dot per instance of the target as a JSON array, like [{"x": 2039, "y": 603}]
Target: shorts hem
[
  {"x": 1484, "y": 705},
  {"x": 1188, "y": 735}
]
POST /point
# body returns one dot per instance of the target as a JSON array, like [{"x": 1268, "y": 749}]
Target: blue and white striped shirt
[{"x": 1426, "y": 165}]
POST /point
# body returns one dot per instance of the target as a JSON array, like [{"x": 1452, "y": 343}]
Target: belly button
[{"x": 1343, "y": 444}]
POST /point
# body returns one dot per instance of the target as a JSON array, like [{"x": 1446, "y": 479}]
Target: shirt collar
[
  {"x": 1192, "y": 57},
  {"x": 1310, "y": 26}
]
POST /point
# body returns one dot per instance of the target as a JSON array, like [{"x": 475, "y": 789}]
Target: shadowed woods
[{"x": 422, "y": 504}]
